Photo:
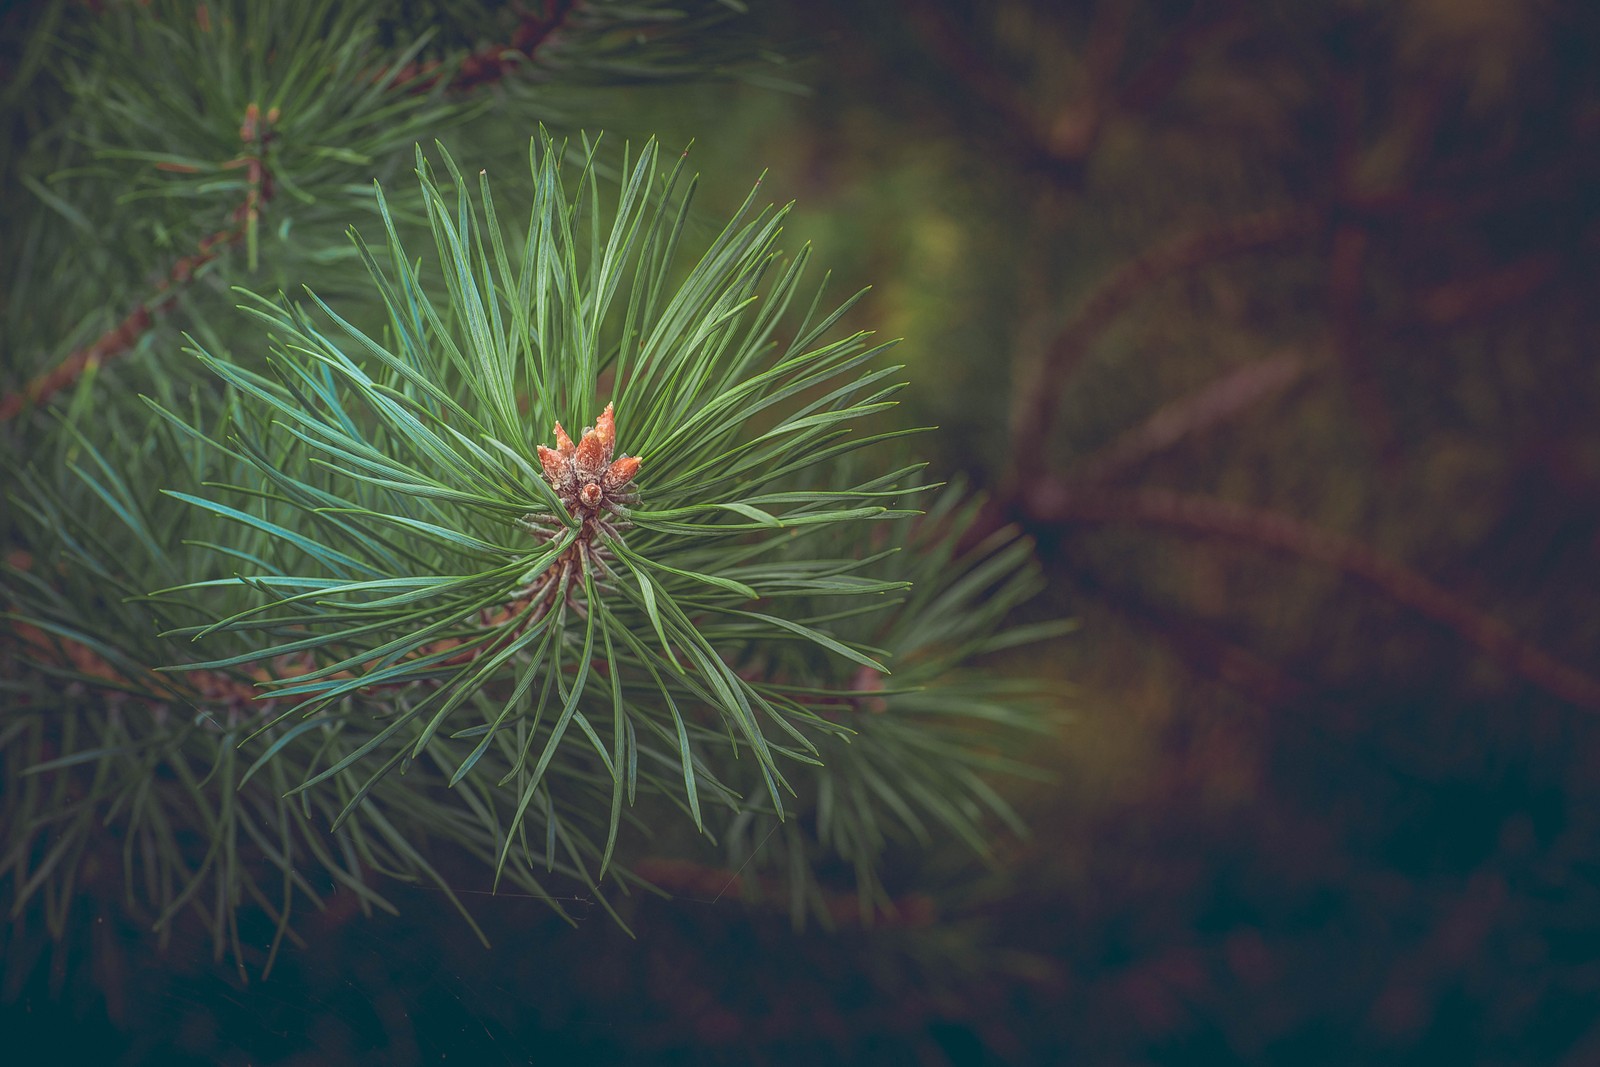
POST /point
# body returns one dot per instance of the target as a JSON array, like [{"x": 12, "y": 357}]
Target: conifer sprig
[
  {"x": 914, "y": 755},
  {"x": 400, "y": 613},
  {"x": 409, "y": 517}
]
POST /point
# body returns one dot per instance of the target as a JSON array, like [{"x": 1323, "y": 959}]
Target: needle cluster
[{"x": 358, "y": 563}]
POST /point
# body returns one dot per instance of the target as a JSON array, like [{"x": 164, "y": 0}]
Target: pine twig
[
  {"x": 1208, "y": 406},
  {"x": 1474, "y": 297},
  {"x": 1062, "y": 145},
  {"x": 1057, "y": 503},
  {"x": 255, "y": 132},
  {"x": 490, "y": 64},
  {"x": 978, "y": 75},
  {"x": 121, "y": 338},
  {"x": 482, "y": 67},
  {"x": 1161, "y": 73},
  {"x": 55, "y": 652},
  {"x": 1035, "y": 413}
]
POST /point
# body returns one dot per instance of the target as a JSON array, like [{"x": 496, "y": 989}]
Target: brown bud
[
  {"x": 605, "y": 427},
  {"x": 621, "y": 472},
  {"x": 593, "y": 454},
  {"x": 555, "y": 467}
]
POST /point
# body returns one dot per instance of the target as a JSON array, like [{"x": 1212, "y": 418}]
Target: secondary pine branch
[
  {"x": 255, "y": 133},
  {"x": 1212, "y": 405},
  {"x": 1056, "y": 503},
  {"x": 1061, "y": 144},
  {"x": 494, "y": 62},
  {"x": 1034, "y": 417}
]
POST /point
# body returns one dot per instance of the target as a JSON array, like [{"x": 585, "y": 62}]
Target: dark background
[{"x": 1275, "y": 325}]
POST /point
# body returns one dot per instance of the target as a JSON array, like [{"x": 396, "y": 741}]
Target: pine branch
[
  {"x": 1189, "y": 415},
  {"x": 254, "y": 134},
  {"x": 493, "y": 62},
  {"x": 1057, "y": 504},
  {"x": 121, "y": 339},
  {"x": 1471, "y": 298},
  {"x": 1033, "y": 417},
  {"x": 1062, "y": 144}
]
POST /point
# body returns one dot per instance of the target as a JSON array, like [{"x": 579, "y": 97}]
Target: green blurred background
[{"x": 1318, "y": 472}]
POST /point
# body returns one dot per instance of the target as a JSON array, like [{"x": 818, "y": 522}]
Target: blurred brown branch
[
  {"x": 1200, "y": 410},
  {"x": 1037, "y": 402},
  {"x": 1057, "y": 503},
  {"x": 493, "y": 62},
  {"x": 1061, "y": 143}
]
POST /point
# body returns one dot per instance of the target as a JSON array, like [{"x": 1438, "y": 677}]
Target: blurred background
[{"x": 1274, "y": 324}]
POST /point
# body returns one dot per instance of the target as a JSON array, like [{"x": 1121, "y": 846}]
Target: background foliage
[{"x": 1272, "y": 323}]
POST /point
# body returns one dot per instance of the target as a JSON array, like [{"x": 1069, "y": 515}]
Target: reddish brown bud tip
[
  {"x": 605, "y": 427},
  {"x": 621, "y": 472},
  {"x": 592, "y": 454},
  {"x": 590, "y": 495},
  {"x": 563, "y": 442},
  {"x": 554, "y": 465}
]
